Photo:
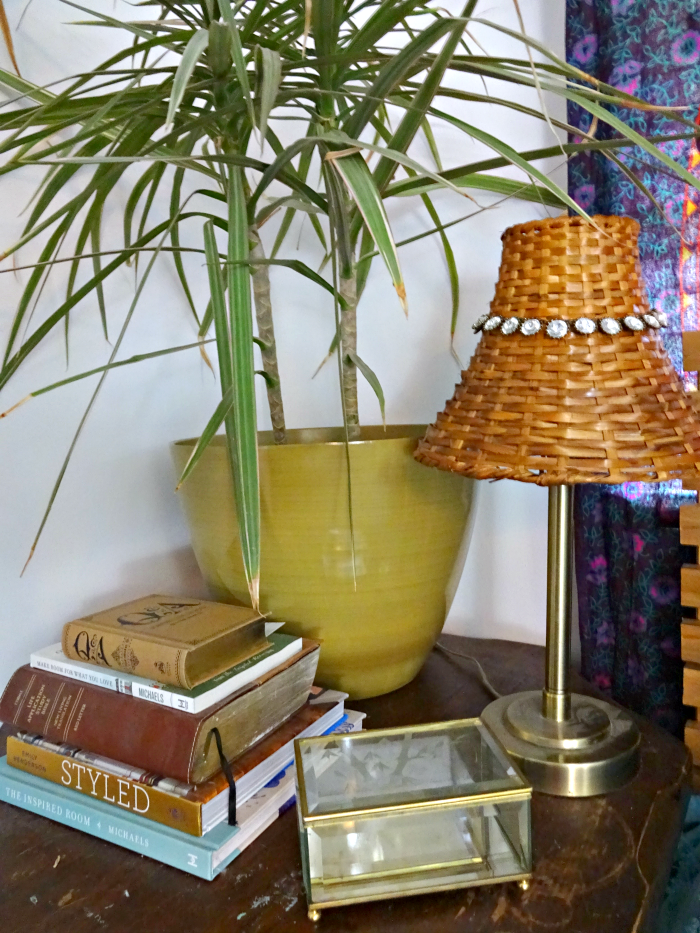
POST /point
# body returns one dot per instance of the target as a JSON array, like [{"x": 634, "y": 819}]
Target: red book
[{"x": 157, "y": 738}]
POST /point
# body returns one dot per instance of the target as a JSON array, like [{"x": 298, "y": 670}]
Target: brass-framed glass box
[{"x": 392, "y": 812}]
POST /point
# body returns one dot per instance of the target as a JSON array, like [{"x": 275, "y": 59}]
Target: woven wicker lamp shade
[{"x": 591, "y": 407}]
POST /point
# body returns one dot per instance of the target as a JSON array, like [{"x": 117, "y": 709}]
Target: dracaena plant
[{"x": 198, "y": 91}]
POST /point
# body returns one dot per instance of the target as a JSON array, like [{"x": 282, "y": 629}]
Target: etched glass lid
[{"x": 390, "y": 767}]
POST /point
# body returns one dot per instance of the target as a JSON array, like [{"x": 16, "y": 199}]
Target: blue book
[{"x": 204, "y": 856}]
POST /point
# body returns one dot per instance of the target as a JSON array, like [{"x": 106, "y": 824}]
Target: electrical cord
[{"x": 488, "y": 686}]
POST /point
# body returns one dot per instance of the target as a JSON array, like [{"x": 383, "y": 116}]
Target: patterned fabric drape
[{"x": 628, "y": 555}]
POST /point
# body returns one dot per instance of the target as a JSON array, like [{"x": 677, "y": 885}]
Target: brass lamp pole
[
  {"x": 556, "y": 700},
  {"x": 569, "y": 384},
  {"x": 567, "y": 744}
]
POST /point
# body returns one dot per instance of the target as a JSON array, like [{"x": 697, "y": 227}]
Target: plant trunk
[
  {"x": 348, "y": 345},
  {"x": 266, "y": 332}
]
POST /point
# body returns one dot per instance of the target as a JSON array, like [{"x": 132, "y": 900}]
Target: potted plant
[{"x": 197, "y": 92}]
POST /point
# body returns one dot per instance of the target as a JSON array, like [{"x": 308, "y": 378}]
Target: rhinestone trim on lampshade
[
  {"x": 557, "y": 329},
  {"x": 582, "y": 325}
]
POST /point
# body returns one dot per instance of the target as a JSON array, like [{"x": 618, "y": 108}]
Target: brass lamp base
[
  {"x": 566, "y": 744},
  {"x": 593, "y": 751}
]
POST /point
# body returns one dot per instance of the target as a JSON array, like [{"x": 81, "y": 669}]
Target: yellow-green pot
[{"x": 376, "y": 616}]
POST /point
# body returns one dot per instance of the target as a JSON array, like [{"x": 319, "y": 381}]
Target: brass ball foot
[
  {"x": 315, "y": 915},
  {"x": 524, "y": 884}
]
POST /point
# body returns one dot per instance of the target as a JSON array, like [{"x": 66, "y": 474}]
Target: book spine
[
  {"x": 110, "y": 680},
  {"x": 141, "y": 799},
  {"x": 143, "y": 838},
  {"x": 98, "y": 677},
  {"x": 87, "y": 642},
  {"x": 163, "y": 697},
  {"x": 103, "y": 722}
]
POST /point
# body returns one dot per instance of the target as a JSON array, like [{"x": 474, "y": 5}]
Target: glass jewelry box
[{"x": 393, "y": 812}]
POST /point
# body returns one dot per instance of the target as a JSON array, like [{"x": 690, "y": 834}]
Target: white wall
[{"x": 116, "y": 530}]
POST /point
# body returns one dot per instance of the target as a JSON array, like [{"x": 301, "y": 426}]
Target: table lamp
[{"x": 570, "y": 383}]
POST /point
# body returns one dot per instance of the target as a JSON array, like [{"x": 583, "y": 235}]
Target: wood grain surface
[
  {"x": 691, "y": 351},
  {"x": 690, "y": 581},
  {"x": 690, "y": 524},
  {"x": 690, "y": 585},
  {"x": 600, "y": 864}
]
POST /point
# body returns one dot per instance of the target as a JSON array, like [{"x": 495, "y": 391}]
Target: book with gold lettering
[
  {"x": 168, "y": 639},
  {"x": 157, "y": 738},
  {"x": 191, "y": 808},
  {"x": 204, "y": 856}
]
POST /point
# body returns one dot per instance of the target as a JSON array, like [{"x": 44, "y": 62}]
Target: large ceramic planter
[{"x": 377, "y": 624}]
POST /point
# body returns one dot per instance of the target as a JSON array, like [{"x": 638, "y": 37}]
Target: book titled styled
[
  {"x": 191, "y": 808},
  {"x": 199, "y": 698},
  {"x": 169, "y": 639},
  {"x": 204, "y": 856},
  {"x": 157, "y": 738}
]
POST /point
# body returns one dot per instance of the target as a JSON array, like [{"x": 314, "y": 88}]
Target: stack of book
[{"x": 166, "y": 726}]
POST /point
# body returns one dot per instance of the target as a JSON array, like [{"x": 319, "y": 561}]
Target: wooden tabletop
[{"x": 600, "y": 864}]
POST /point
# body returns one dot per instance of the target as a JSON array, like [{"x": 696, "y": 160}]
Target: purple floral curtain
[{"x": 628, "y": 555}]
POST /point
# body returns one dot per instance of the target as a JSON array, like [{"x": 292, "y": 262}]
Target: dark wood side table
[{"x": 600, "y": 865}]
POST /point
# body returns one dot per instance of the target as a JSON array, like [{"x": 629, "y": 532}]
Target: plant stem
[
  {"x": 348, "y": 344},
  {"x": 266, "y": 332}
]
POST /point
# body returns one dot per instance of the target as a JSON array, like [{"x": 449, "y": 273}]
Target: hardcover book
[
  {"x": 191, "y": 808},
  {"x": 204, "y": 856},
  {"x": 281, "y": 648},
  {"x": 157, "y": 738},
  {"x": 169, "y": 639}
]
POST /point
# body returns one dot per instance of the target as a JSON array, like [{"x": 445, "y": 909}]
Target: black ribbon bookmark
[{"x": 226, "y": 768}]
